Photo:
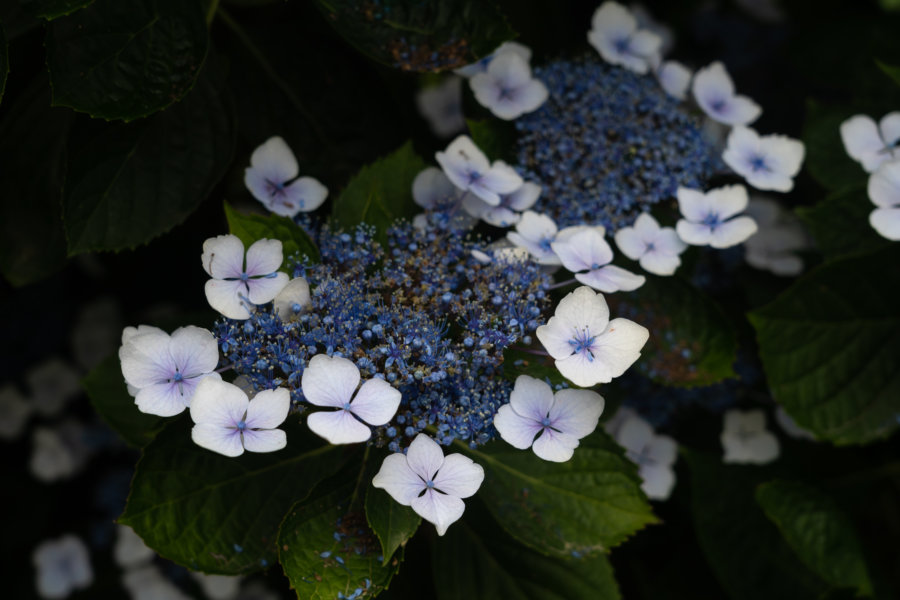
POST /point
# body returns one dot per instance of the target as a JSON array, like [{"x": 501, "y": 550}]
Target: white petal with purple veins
[
  {"x": 338, "y": 427},
  {"x": 459, "y": 476},
  {"x": 555, "y": 446},
  {"x": 611, "y": 279},
  {"x": 229, "y": 298},
  {"x": 424, "y": 456},
  {"x": 329, "y": 381},
  {"x": 440, "y": 509},
  {"x": 376, "y": 402},
  {"x": 268, "y": 409},
  {"x": 516, "y": 430},
  {"x": 714, "y": 92},
  {"x": 397, "y": 479},
  {"x": 261, "y": 290},
  {"x": 223, "y": 257}
]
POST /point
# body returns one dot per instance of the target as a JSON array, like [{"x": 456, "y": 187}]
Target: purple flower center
[
  {"x": 582, "y": 343},
  {"x": 712, "y": 220},
  {"x": 241, "y": 426},
  {"x": 758, "y": 163},
  {"x": 622, "y": 45}
]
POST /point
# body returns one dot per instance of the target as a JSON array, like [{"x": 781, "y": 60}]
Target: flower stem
[
  {"x": 529, "y": 351},
  {"x": 562, "y": 284},
  {"x": 211, "y": 11}
]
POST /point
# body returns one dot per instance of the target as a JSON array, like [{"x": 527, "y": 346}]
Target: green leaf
[
  {"x": 830, "y": 347},
  {"x": 745, "y": 551},
  {"x": 217, "y": 514},
  {"x": 106, "y": 389},
  {"x": 326, "y": 548},
  {"x": 420, "y": 36},
  {"x": 840, "y": 223},
  {"x": 129, "y": 183},
  {"x": 495, "y": 138},
  {"x": 826, "y": 159},
  {"x": 393, "y": 523},
  {"x": 818, "y": 531},
  {"x": 4, "y": 60},
  {"x": 584, "y": 506},
  {"x": 476, "y": 560},
  {"x": 519, "y": 362},
  {"x": 33, "y": 154},
  {"x": 891, "y": 71},
  {"x": 692, "y": 342},
  {"x": 126, "y": 60},
  {"x": 251, "y": 227},
  {"x": 52, "y": 9},
  {"x": 381, "y": 192}
]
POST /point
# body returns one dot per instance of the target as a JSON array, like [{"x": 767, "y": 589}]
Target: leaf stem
[{"x": 211, "y": 11}]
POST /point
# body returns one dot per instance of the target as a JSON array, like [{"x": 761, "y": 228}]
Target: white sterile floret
[
  {"x": 63, "y": 566},
  {"x": 560, "y": 419},
  {"x": 714, "y": 93},
  {"x": 429, "y": 482},
  {"x": 505, "y": 214},
  {"x": 535, "y": 232},
  {"x": 59, "y": 453},
  {"x": 746, "y": 439},
  {"x": 331, "y": 381},
  {"x": 164, "y": 370},
  {"x": 675, "y": 78},
  {"x": 507, "y": 88},
  {"x": 441, "y": 106},
  {"x": 767, "y": 162},
  {"x": 469, "y": 169},
  {"x": 14, "y": 412},
  {"x": 585, "y": 252},
  {"x": 148, "y": 583},
  {"x": 588, "y": 347},
  {"x": 236, "y": 285},
  {"x": 129, "y": 549},
  {"x": 653, "y": 454},
  {"x": 790, "y": 427},
  {"x": 51, "y": 385},
  {"x": 272, "y": 179},
  {"x": 710, "y": 219},
  {"x": 218, "y": 587},
  {"x": 884, "y": 192},
  {"x": 781, "y": 235},
  {"x": 656, "y": 248},
  {"x": 228, "y": 422},
  {"x": 520, "y": 50},
  {"x": 293, "y": 299},
  {"x": 870, "y": 144},
  {"x": 615, "y": 35},
  {"x": 645, "y": 20}
]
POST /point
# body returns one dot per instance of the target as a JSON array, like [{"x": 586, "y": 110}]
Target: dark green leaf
[
  {"x": 381, "y": 192},
  {"x": 32, "y": 155},
  {"x": 476, "y": 560},
  {"x": 826, "y": 159},
  {"x": 840, "y": 223},
  {"x": 830, "y": 346},
  {"x": 818, "y": 531},
  {"x": 393, "y": 523},
  {"x": 420, "y": 36},
  {"x": 4, "y": 61},
  {"x": 51, "y": 9},
  {"x": 105, "y": 386},
  {"x": 494, "y": 137},
  {"x": 250, "y": 227},
  {"x": 891, "y": 71},
  {"x": 692, "y": 342},
  {"x": 217, "y": 514},
  {"x": 128, "y": 183},
  {"x": 743, "y": 548},
  {"x": 326, "y": 548},
  {"x": 125, "y": 60},
  {"x": 519, "y": 362},
  {"x": 584, "y": 506}
]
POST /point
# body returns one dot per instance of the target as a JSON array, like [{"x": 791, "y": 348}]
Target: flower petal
[
  {"x": 659, "y": 263},
  {"x": 265, "y": 440},
  {"x": 694, "y": 204},
  {"x": 576, "y": 412},
  {"x": 884, "y": 185},
  {"x": 275, "y": 159},
  {"x": 555, "y": 446},
  {"x": 531, "y": 398},
  {"x": 886, "y": 221},
  {"x": 194, "y": 351},
  {"x": 620, "y": 345},
  {"x": 516, "y": 430},
  {"x": 658, "y": 481},
  {"x": 146, "y": 360},
  {"x": 376, "y": 402},
  {"x": 728, "y": 200},
  {"x": 437, "y": 508},
  {"x": 223, "y": 256},
  {"x": 695, "y": 234},
  {"x": 459, "y": 476},
  {"x": 268, "y": 409},
  {"x": 397, "y": 479},
  {"x": 264, "y": 289},
  {"x": 162, "y": 399},
  {"x": 424, "y": 456},
  {"x": 306, "y": 194},
  {"x": 674, "y": 78},
  {"x": 733, "y": 232},
  {"x": 218, "y": 403},
  {"x": 229, "y": 298},
  {"x": 338, "y": 427},
  {"x": 431, "y": 187},
  {"x": 611, "y": 279},
  {"x": 218, "y": 439},
  {"x": 293, "y": 299},
  {"x": 329, "y": 381},
  {"x": 264, "y": 257},
  {"x": 863, "y": 141}
]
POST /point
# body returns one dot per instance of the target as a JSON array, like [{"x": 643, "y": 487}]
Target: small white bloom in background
[
  {"x": 588, "y": 347},
  {"x": 587, "y": 254},
  {"x": 51, "y": 385},
  {"x": 615, "y": 35},
  {"x": 148, "y": 583},
  {"x": 614, "y": 423},
  {"x": 129, "y": 549},
  {"x": 505, "y": 214},
  {"x": 746, "y": 439},
  {"x": 501, "y": 254},
  {"x": 234, "y": 286},
  {"x": 675, "y": 78},
  {"x": 330, "y": 381},
  {"x": 781, "y": 235},
  {"x": 714, "y": 93},
  {"x": 507, "y": 88},
  {"x": 710, "y": 219},
  {"x": 164, "y": 370},
  {"x": 432, "y": 190},
  {"x": 228, "y": 422},
  {"x": 14, "y": 412},
  {"x": 790, "y": 427},
  {"x": 441, "y": 106},
  {"x": 96, "y": 332},
  {"x": 535, "y": 232},
  {"x": 520, "y": 50},
  {"x": 647, "y": 21},
  {"x": 218, "y": 587},
  {"x": 653, "y": 454},
  {"x": 767, "y": 162},
  {"x": 560, "y": 419},
  {"x": 58, "y": 454},
  {"x": 656, "y": 248},
  {"x": 884, "y": 192},
  {"x": 469, "y": 169},
  {"x": 293, "y": 299},
  {"x": 272, "y": 179},
  {"x": 429, "y": 482},
  {"x": 63, "y": 566},
  {"x": 870, "y": 144}
]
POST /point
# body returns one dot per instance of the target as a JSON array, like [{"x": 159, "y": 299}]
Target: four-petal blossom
[
  {"x": 709, "y": 219},
  {"x": 656, "y": 248},
  {"x": 586, "y": 250},
  {"x": 560, "y": 419},
  {"x": 469, "y": 169},
  {"x": 871, "y": 144},
  {"x": 272, "y": 179},
  {"x": 714, "y": 93},
  {"x": 615, "y": 35},
  {"x": 746, "y": 439},
  {"x": 781, "y": 235},
  {"x": 63, "y": 565},
  {"x": 653, "y": 454},
  {"x": 429, "y": 482},
  {"x": 536, "y": 232},
  {"x": 507, "y": 88},
  {"x": 767, "y": 162},
  {"x": 441, "y": 106},
  {"x": 884, "y": 192}
]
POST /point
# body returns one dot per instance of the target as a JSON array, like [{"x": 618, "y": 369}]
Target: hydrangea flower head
[
  {"x": 869, "y": 143},
  {"x": 884, "y": 192},
  {"x": 615, "y": 35},
  {"x": 63, "y": 566},
  {"x": 658, "y": 249},
  {"x": 469, "y": 169},
  {"x": 746, "y": 439},
  {"x": 507, "y": 88},
  {"x": 558, "y": 420},
  {"x": 588, "y": 347},
  {"x": 586, "y": 253},
  {"x": 653, "y": 454},
  {"x": 272, "y": 179},
  {"x": 429, "y": 482},
  {"x": 710, "y": 218},
  {"x": 767, "y": 162},
  {"x": 236, "y": 283},
  {"x": 714, "y": 93}
]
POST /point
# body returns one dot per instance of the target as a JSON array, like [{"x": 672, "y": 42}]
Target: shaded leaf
[
  {"x": 495, "y": 138},
  {"x": 840, "y": 223},
  {"x": 52, "y": 9},
  {"x": 891, "y": 71},
  {"x": 392, "y": 522},
  {"x": 4, "y": 60},
  {"x": 830, "y": 347},
  {"x": 252, "y": 227},
  {"x": 826, "y": 159}
]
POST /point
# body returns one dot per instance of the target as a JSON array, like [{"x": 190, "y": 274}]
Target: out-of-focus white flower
[
  {"x": 96, "y": 332},
  {"x": 58, "y": 453},
  {"x": 710, "y": 218},
  {"x": 781, "y": 235},
  {"x": 714, "y": 93},
  {"x": 884, "y": 192},
  {"x": 658, "y": 249},
  {"x": 507, "y": 88},
  {"x": 272, "y": 179},
  {"x": 51, "y": 385},
  {"x": 653, "y": 454},
  {"x": 63, "y": 566},
  {"x": 746, "y": 439},
  {"x": 148, "y": 583},
  {"x": 14, "y": 412},
  {"x": 767, "y": 162},
  {"x": 129, "y": 549},
  {"x": 441, "y": 106},
  {"x": 615, "y": 35},
  {"x": 218, "y": 587},
  {"x": 869, "y": 144},
  {"x": 675, "y": 78}
]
